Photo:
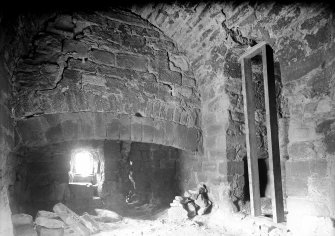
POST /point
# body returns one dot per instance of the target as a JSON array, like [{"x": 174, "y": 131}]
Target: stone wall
[
  {"x": 214, "y": 36},
  {"x": 106, "y": 75},
  {"x": 75, "y": 53},
  {"x": 155, "y": 169},
  {"x": 12, "y": 44},
  {"x": 6, "y": 144}
]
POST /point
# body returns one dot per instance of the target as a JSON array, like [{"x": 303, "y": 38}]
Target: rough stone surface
[
  {"x": 108, "y": 67},
  {"x": 303, "y": 44},
  {"x": 186, "y": 82}
]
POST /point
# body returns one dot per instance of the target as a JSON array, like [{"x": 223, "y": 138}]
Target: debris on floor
[
  {"x": 191, "y": 204},
  {"x": 65, "y": 222},
  {"x": 23, "y": 225}
]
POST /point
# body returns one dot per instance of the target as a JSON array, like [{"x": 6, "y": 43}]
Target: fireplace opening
[{"x": 130, "y": 178}]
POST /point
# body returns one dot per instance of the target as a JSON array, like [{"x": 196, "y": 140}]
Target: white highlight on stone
[{"x": 83, "y": 163}]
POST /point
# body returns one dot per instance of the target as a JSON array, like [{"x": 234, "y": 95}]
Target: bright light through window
[{"x": 83, "y": 163}]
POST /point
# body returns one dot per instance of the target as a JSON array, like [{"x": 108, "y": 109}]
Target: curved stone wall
[
  {"x": 106, "y": 75},
  {"x": 214, "y": 35}
]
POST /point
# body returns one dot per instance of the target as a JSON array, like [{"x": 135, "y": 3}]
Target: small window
[
  {"x": 83, "y": 163},
  {"x": 82, "y": 167}
]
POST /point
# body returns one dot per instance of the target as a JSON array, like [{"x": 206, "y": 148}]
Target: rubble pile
[
  {"x": 191, "y": 204},
  {"x": 63, "y": 222}
]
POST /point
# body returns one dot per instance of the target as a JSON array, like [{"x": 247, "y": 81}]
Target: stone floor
[{"x": 144, "y": 221}]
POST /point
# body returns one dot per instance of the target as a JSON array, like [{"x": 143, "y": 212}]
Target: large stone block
[
  {"x": 318, "y": 167},
  {"x": 71, "y": 127},
  {"x": 216, "y": 129},
  {"x": 235, "y": 167},
  {"x": 301, "y": 150},
  {"x": 319, "y": 189},
  {"x": 188, "y": 81},
  {"x": 136, "y": 128},
  {"x": 298, "y": 169},
  {"x": 104, "y": 57},
  {"x": 302, "y": 131},
  {"x": 32, "y": 131},
  {"x": 296, "y": 187},
  {"x": 88, "y": 126},
  {"x": 171, "y": 77},
  {"x": 73, "y": 46},
  {"x": 210, "y": 166},
  {"x": 24, "y": 230},
  {"x": 194, "y": 139},
  {"x": 22, "y": 219},
  {"x": 159, "y": 132},
  {"x": 303, "y": 66},
  {"x": 181, "y": 135},
  {"x": 148, "y": 130},
  {"x": 80, "y": 191},
  {"x": 53, "y": 129},
  {"x": 128, "y": 17},
  {"x": 169, "y": 133},
  {"x": 113, "y": 128},
  {"x": 302, "y": 206},
  {"x": 86, "y": 66},
  {"x": 41, "y": 230},
  {"x": 125, "y": 127},
  {"x": 131, "y": 61}
]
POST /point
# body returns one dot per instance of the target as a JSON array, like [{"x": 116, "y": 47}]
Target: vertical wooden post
[
  {"x": 272, "y": 130},
  {"x": 272, "y": 133},
  {"x": 249, "y": 111}
]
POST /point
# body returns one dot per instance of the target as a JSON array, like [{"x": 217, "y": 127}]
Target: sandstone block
[
  {"x": 24, "y": 230},
  {"x": 302, "y": 131},
  {"x": 90, "y": 223},
  {"x": 104, "y": 57},
  {"x": 22, "y": 219},
  {"x": 171, "y": 77},
  {"x": 49, "y": 223},
  {"x": 148, "y": 130},
  {"x": 188, "y": 81},
  {"x": 301, "y": 150},
  {"x": 132, "y": 62},
  {"x": 81, "y": 191},
  {"x": 46, "y": 214},
  {"x": 159, "y": 130},
  {"x": 318, "y": 167},
  {"x": 193, "y": 139},
  {"x": 136, "y": 128},
  {"x": 73, "y": 46},
  {"x": 296, "y": 186},
  {"x": 125, "y": 127},
  {"x": 303, "y": 206},
  {"x": 111, "y": 216},
  {"x": 113, "y": 128},
  {"x": 71, "y": 219},
  {"x": 43, "y": 231},
  {"x": 298, "y": 168},
  {"x": 209, "y": 166},
  {"x": 177, "y": 214},
  {"x": 235, "y": 167}
]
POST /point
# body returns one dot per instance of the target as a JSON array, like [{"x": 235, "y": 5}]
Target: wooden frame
[{"x": 266, "y": 52}]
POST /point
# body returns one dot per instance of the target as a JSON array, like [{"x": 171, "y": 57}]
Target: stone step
[{"x": 81, "y": 191}]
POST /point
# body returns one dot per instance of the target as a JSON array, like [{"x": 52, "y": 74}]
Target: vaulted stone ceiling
[{"x": 213, "y": 36}]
